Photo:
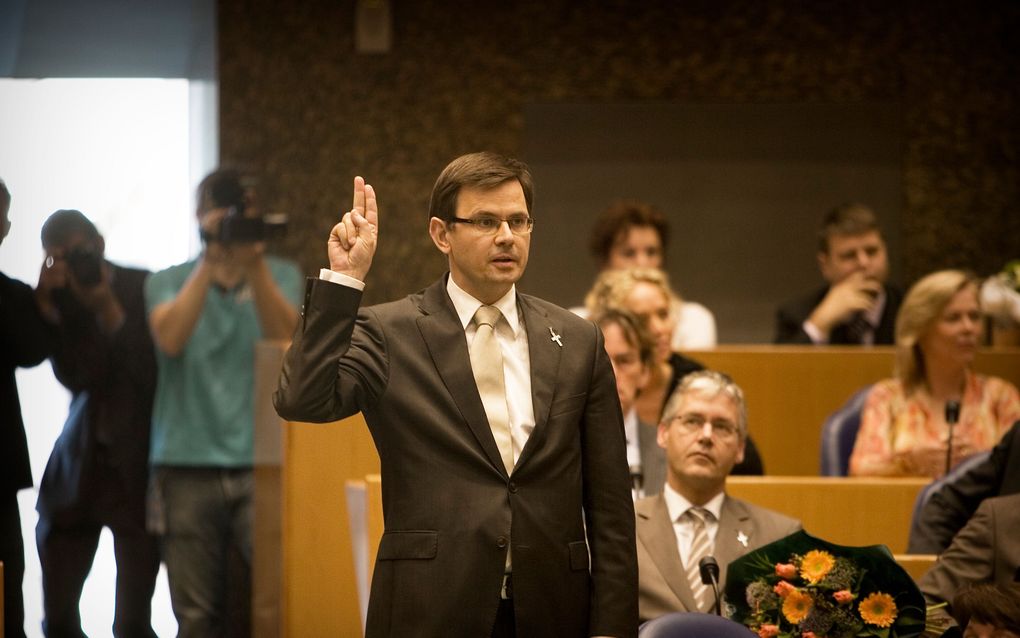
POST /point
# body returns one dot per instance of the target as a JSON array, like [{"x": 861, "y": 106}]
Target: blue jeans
[{"x": 204, "y": 519}]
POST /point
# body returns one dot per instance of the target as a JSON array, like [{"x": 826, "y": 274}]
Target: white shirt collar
[
  {"x": 466, "y": 305},
  {"x": 677, "y": 504}
]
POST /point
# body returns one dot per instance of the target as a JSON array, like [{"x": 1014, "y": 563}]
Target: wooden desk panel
[
  {"x": 790, "y": 390},
  {"x": 846, "y": 511}
]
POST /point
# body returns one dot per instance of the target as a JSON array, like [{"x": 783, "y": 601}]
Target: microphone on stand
[
  {"x": 952, "y": 416},
  {"x": 709, "y": 569}
]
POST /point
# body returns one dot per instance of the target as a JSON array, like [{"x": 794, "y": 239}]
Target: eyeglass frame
[
  {"x": 694, "y": 423},
  {"x": 476, "y": 222}
]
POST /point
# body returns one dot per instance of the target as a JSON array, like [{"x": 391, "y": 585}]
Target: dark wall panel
[{"x": 301, "y": 106}]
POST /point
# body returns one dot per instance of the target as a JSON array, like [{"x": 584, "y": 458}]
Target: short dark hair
[
  {"x": 62, "y": 224},
  {"x": 222, "y": 188},
  {"x": 620, "y": 217},
  {"x": 477, "y": 170},
  {"x": 5, "y": 197},
  {"x": 634, "y": 331},
  {"x": 846, "y": 219},
  {"x": 992, "y": 604}
]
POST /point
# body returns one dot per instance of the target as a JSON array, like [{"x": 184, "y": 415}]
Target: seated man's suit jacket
[
  {"x": 986, "y": 550},
  {"x": 663, "y": 586},
  {"x": 791, "y": 316},
  {"x": 449, "y": 507},
  {"x": 653, "y": 459}
]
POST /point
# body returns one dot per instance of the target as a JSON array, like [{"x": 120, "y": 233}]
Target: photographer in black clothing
[
  {"x": 24, "y": 342},
  {"x": 98, "y": 471}
]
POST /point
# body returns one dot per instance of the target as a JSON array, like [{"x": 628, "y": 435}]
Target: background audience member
[
  {"x": 633, "y": 234},
  {"x": 856, "y": 306},
  {"x": 904, "y": 431},
  {"x": 98, "y": 471},
  {"x": 951, "y": 505},
  {"x": 24, "y": 342},
  {"x": 987, "y": 549},
  {"x": 988, "y": 610},
  {"x": 630, "y": 350},
  {"x": 645, "y": 293},
  {"x": 703, "y": 432},
  {"x": 206, "y": 316}
]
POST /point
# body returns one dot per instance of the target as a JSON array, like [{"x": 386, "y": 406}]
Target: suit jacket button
[
  {"x": 513, "y": 487},
  {"x": 501, "y": 542}
]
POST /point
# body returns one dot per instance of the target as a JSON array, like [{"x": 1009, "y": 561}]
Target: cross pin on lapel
[
  {"x": 555, "y": 337},
  {"x": 742, "y": 538}
]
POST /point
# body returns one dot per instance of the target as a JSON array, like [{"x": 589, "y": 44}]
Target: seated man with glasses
[{"x": 703, "y": 430}]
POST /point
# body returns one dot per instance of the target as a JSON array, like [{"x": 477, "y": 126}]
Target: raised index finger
[
  {"x": 371, "y": 207},
  {"x": 359, "y": 195}
]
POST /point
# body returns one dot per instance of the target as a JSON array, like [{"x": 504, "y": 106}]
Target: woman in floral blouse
[{"x": 903, "y": 426}]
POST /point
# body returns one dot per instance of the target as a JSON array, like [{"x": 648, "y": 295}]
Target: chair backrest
[
  {"x": 839, "y": 433},
  {"x": 682, "y": 624}
]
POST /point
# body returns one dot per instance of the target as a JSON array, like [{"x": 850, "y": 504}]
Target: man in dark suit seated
[
  {"x": 703, "y": 430},
  {"x": 986, "y": 550},
  {"x": 952, "y": 504},
  {"x": 506, "y": 493},
  {"x": 856, "y": 306}
]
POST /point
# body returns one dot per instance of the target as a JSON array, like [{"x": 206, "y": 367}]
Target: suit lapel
[
  {"x": 545, "y": 362},
  {"x": 736, "y": 527},
  {"x": 444, "y": 337},
  {"x": 655, "y": 532}
]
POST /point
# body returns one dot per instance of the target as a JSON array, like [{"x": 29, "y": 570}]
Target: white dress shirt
[
  {"x": 513, "y": 342},
  {"x": 676, "y": 505}
]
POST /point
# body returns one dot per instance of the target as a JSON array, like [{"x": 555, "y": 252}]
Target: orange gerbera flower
[
  {"x": 815, "y": 565},
  {"x": 796, "y": 606},
  {"x": 877, "y": 609}
]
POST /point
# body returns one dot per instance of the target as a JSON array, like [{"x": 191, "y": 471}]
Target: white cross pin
[
  {"x": 555, "y": 337},
  {"x": 742, "y": 538}
]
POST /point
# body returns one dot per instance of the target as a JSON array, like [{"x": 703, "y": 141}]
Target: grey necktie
[
  {"x": 487, "y": 366},
  {"x": 701, "y": 546}
]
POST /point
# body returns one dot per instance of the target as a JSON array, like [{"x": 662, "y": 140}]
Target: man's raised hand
[{"x": 352, "y": 242}]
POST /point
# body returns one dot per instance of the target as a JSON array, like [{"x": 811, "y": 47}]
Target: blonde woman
[
  {"x": 904, "y": 431},
  {"x": 646, "y": 293}
]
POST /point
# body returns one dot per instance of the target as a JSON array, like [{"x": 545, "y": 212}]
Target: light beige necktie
[
  {"x": 487, "y": 366},
  {"x": 701, "y": 546}
]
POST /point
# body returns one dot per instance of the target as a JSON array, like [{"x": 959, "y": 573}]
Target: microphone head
[
  {"x": 952, "y": 411},
  {"x": 709, "y": 569}
]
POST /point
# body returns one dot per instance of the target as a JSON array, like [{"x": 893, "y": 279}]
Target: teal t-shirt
[{"x": 203, "y": 413}]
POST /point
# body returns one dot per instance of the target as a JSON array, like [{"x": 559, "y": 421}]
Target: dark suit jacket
[
  {"x": 24, "y": 342},
  {"x": 448, "y": 505},
  {"x": 663, "y": 585},
  {"x": 987, "y": 549},
  {"x": 950, "y": 506},
  {"x": 653, "y": 459},
  {"x": 791, "y": 316},
  {"x": 112, "y": 380}
]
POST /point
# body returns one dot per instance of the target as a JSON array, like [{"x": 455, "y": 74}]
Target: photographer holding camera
[
  {"x": 98, "y": 469},
  {"x": 206, "y": 316}
]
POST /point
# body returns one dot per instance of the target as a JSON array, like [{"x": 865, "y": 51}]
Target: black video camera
[
  {"x": 86, "y": 265},
  {"x": 238, "y": 228}
]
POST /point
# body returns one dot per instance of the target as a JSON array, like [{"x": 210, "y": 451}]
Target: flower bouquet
[{"x": 804, "y": 587}]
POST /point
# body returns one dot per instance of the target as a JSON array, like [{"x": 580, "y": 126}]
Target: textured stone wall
[{"x": 299, "y": 106}]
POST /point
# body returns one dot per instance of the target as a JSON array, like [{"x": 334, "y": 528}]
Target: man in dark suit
[
  {"x": 24, "y": 342},
  {"x": 856, "y": 306},
  {"x": 631, "y": 351},
  {"x": 98, "y": 470},
  {"x": 953, "y": 502},
  {"x": 703, "y": 430},
  {"x": 987, "y": 549},
  {"x": 505, "y": 485}
]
